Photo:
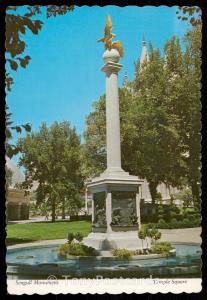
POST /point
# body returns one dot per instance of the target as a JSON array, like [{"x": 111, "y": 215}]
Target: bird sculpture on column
[{"x": 108, "y": 36}]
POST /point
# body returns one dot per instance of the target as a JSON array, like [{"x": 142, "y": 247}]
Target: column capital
[{"x": 111, "y": 67}]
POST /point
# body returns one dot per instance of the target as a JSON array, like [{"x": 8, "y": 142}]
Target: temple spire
[
  {"x": 144, "y": 54},
  {"x": 125, "y": 80}
]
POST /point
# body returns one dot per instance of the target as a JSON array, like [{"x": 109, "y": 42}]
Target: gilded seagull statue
[{"x": 108, "y": 36}]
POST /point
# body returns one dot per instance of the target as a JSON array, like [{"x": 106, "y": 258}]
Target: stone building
[{"x": 17, "y": 204}]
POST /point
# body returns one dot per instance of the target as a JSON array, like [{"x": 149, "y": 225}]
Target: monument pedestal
[
  {"x": 114, "y": 240},
  {"x": 115, "y": 211}
]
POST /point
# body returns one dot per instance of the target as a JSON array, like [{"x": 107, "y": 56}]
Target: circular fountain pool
[{"x": 41, "y": 262}]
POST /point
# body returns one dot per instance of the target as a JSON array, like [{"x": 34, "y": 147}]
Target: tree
[
  {"x": 9, "y": 174},
  {"x": 94, "y": 148},
  {"x": 51, "y": 157},
  {"x": 191, "y": 14},
  {"x": 158, "y": 156},
  {"x": 187, "y": 197},
  {"x": 157, "y": 236},
  {"x": 12, "y": 149},
  {"x": 153, "y": 233},
  {"x": 184, "y": 90},
  {"x": 193, "y": 73},
  {"x": 142, "y": 236}
]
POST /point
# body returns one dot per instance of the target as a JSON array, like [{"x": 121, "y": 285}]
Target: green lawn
[{"x": 22, "y": 233}]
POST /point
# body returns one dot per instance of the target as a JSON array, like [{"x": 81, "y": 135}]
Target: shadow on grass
[
  {"x": 13, "y": 241},
  {"x": 46, "y": 221}
]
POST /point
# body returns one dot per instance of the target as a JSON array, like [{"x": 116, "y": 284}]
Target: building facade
[{"x": 17, "y": 204}]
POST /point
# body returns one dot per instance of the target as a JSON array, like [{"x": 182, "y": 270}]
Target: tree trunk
[
  {"x": 63, "y": 208},
  {"x": 53, "y": 210},
  {"x": 153, "y": 190},
  {"x": 196, "y": 194}
]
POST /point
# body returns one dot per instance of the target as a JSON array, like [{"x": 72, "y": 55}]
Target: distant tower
[
  {"x": 125, "y": 81},
  {"x": 144, "y": 54},
  {"x": 143, "y": 57}
]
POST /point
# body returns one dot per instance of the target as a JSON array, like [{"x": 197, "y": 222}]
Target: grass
[{"x": 24, "y": 233}]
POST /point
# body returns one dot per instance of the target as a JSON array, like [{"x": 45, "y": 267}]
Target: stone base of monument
[{"x": 114, "y": 240}]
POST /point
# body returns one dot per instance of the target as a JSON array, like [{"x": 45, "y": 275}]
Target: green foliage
[
  {"x": 151, "y": 231},
  {"x": 12, "y": 149},
  {"x": 52, "y": 158},
  {"x": 122, "y": 253},
  {"x": 161, "y": 223},
  {"x": 186, "y": 196},
  {"x": 78, "y": 236},
  {"x": 8, "y": 177},
  {"x": 162, "y": 248},
  {"x": 157, "y": 236},
  {"x": 142, "y": 234},
  {"x": 76, "y": 249},
  {"x": 160, "y": 212},
  {"x": 190, "y": 14},
  {"x": 95, "y": 140},
  {"x": 70, "y": 237},
  {"x": 158, "y": 198},
  {"x": 184, "y": 223}
]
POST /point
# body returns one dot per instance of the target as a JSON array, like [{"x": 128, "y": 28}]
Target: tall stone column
[
  {"x": 114, "y": 184},
  {"x": 111, "y": 68}
]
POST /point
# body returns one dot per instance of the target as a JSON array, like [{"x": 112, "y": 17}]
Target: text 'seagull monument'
[{"x": 116, "y": 198}]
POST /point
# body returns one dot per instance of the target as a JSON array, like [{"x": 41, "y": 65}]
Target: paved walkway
[
  {"x": 186, "y": 235},
  {"x": 38, "y": 219}
]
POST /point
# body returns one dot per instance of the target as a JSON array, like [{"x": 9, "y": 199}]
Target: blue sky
[{"x": 63, "y": 77}]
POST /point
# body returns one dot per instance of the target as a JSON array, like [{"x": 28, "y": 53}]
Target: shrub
[
  {"x": 80, "y": 218},
  {"x": 179, "y": 217},
  {"x": 157, "y": 236},
  {"x": 187, "y": 223},
  {"x": 162, "y": 223},
  {"x": 196, "y": 222},
  {"x": 70, "y": 237},
  {"x": 174, "y": 223},
  {"x": 78, "y": 236},
  {"x": 76, "y": 250},
  {"x": 173, "y": 215},
  {"x": 63, "y": 250},
  {"x": 162, "y": 248},
  {"x": 158, "y": 198},
  {"x": 122, "y": 253},
  {"x": 160, "y": 212}
]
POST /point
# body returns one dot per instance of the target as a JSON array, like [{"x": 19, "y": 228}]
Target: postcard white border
[{"x": 101, "y": 286}]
